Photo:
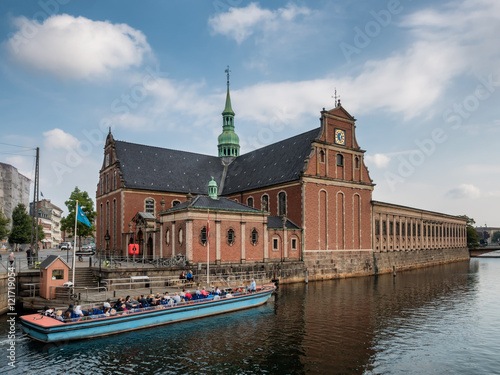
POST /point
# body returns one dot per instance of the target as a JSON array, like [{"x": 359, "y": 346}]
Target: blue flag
[{"x": 80, "y": 216}]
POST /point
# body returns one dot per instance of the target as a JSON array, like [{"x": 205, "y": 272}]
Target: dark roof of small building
[
  {"x": 51, "y": 259},
  {"x": 162, "y": 169},
  {"x": 275, "y": 222},
  {"x": 277, "y": 163},
  {"x": 220, "y": 204}
]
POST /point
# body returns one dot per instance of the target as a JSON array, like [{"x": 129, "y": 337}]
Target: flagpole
[
  {"x": 208, "y": 250},
  {"x": 74, "y": 247}
]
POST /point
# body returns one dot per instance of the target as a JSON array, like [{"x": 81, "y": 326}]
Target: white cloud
[
  {"x": 58, "y": 139},
  {"x": 379, "y": 160},
  {"x": 466, "y": 191},
  {"x": 241, "y": 23},
  {"x": 76, "y": 47}
]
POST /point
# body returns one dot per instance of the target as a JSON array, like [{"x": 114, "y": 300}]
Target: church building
[{"x": 306, "y": 198}]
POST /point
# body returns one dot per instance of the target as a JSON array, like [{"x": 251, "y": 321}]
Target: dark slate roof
[
  {"x": 49, "y": 260},
  {"x": 274, "y": 164},
  {"x": 221, "y": 204},
  {"x": 154, "y": 168},
  {"x": 274, "y": 222}
]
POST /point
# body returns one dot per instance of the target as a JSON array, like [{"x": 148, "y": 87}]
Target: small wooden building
[{"x": 54, "y": 271}]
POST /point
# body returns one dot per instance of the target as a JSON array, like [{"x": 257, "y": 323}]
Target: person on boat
[
  {"x": 177, "y": 298},
  {"x": 107, "y": 304},
  {"x": 188, "y": 296},
  {"x": 78, "y": 311},
  {"x": 143, "y": 301},
  {"x": 189, "y": 276},
  {"x": 253, "y": 286},
  {"x": 198, "y": 293},
  {"x": 129, "y": 303},
  {"x": 47, "y": 311},
  {"x": 217, "y": 291},
  {"x": 70, "y": 309},
  {"x": 120, "y": 305},
  {"x": 59, "y": 315},
  {"x": 204, "y": 293},
  {"x": 228, "y": 294}
]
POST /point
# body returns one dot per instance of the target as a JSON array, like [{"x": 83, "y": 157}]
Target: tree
[
  {"x": 87, "y": 206},
  {"x": 4, "y": 221},
  {"x": 472, "y": 236},
  {"x": 496, "y": 236},
  {"x": 21, "y": 226}
]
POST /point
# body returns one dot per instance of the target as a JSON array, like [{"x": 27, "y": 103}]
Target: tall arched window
[
  {"x": 264, "y": 204},
  {"x": 282, "y": 203},
  {"x": 250, "y": 202},
  {"x": 322, "y": 156},
  {"x": 255, "y": 236},
  {"x": 149, "y": 206}
]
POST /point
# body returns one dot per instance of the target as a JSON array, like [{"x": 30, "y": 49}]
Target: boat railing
[{"x": 144, "y": 281}]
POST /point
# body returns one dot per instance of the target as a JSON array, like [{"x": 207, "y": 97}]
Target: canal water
[{"x": 438, "y": 320}]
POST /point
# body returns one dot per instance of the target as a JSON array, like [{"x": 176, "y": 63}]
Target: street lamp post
[{"x": 107, "y": 238}]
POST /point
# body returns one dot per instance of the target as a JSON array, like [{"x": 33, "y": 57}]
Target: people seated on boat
[
  {"x": 183, "y": 293},
  {"x": 189, "y": 276},
  {"x": 198, "y": 292},
  {"x": 129, "y": 303},
  {"x": 188, "y": 296},
  {"x": 120, "y": 305},
  {"x": 177, "y": 298},
  {"x": 107, "y": 311},
  {"x": 182, "y": 276},
  {"x": 204, "y": 293},
  {"x": 70, "y": 309},
  {"x": 253, "y": 286},
  {"x": 107, "y": 304},
  {"x": 151, "y": 299},
  {"x": 59, "y": 315},
  {"x": 67, "y": 315},
  {"x": 47, "y": 311},
  {"x": 143, "y": 301},
  {"x": 217, "y": 291},
  {"x": 228, "y": 294},
  {"x": 78, "y": 311}
]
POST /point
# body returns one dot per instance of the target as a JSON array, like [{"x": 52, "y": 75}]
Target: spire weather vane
[
  {"x": 227, "y": 71},
  {"x": 337, "y": 98}
]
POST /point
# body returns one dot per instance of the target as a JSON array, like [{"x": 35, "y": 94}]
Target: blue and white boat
[{"x": 47, "y": 329}]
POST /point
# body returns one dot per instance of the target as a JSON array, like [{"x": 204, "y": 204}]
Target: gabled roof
[
  {"x": 162, "y": 169},
  {"x": 220, "y": 204},
  {"x": 278, "y": 163},
  {"x": 51, "y": 259}
]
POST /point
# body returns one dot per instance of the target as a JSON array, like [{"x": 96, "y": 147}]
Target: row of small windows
[
  {"x": 339, "y": 159},
  {"x": 264, "y": 203},
  {"x": 428, "y": 230},
  {"x": 276, "y": 244}
]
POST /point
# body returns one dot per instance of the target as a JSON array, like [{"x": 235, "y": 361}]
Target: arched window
[
  {"x": 203, "y": 236},
  {"x": 167, "y": 236},
  {"x": 250, "y": 202},
  {"x": 149, "y": 206},
  {"x": 255, "y": 236},
  {"x": 114, "y": 180},
  {"x": 264, "y": 204},
  {"x": 322, "y": 156},
  {"x": 175, "y": 203},
  {"x": 356, "y": 162},
  {"x": 282, "y": 203},
  {"x": 107, "y": 182},
  {"x": 230, "y": 236},
  {"x": 340, "y": 160}
]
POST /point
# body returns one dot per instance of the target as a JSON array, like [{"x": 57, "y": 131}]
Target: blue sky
[{"x": 422, "y": 80}]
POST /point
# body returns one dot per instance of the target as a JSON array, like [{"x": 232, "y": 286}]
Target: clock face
[{"x": 339, "y": 137}]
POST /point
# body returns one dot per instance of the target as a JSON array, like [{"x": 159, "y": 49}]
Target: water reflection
[{"x": 427, "y": 320}]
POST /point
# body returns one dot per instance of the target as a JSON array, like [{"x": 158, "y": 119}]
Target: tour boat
[{"x": 47, "y": 329}]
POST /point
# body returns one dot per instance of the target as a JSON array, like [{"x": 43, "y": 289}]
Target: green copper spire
[{"x": 229, "y": 142}]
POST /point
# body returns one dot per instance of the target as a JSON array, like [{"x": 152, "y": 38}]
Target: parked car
[{"x": 66, "y": 246}]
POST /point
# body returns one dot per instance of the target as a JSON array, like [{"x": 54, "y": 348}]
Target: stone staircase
[{"x": 84, "y": 278}]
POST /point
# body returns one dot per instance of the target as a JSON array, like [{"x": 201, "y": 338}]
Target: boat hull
[{"x": 47, "y": 329}]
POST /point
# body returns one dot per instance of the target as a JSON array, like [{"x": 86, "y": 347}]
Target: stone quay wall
[{"x": 322, "y": 265}]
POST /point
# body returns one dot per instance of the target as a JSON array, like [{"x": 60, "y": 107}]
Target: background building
[{"x": 14, "y": 189}]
